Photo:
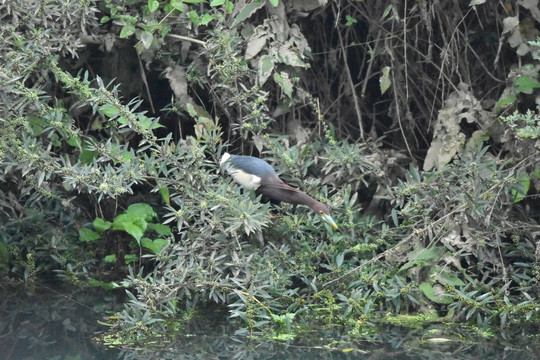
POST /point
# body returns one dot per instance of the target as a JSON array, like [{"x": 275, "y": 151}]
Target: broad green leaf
[
  {"x": 178, "y": 5},
  {"x": 127, "y": 30},
  {"x": 130, "y": 258},
  {"x": 109, "y": 110},
  {"x": 384, "y": 80},
  {"x": 394, "y": 217},
  {"x": 135, "y": 229},
  {"x": 526, "y": 84},
  {"x": 141, "y": 210},
  {"x": 110, "y": 259},
  {"x": 162, "y": 230},
  {"x": 146, "y": 39},
  {"x": 433, "y": 294},
  {"x": 132, "y": 224},
  {"x": 75, "y": 141},
  {"x": 217, "y": 3},
  {"x": 448, "y": 278},
  {"x": 87, "y": 156},
  {"x": 87, "y": 235},
  {"x": 339, "y": 259},
  {"x": 521, "y": 187},
  {"x": 274, "y": 3},
  {"x": 154, "y": 245},
  {"x": 505, "y": 102},
  {"x": 285, "y": 83},
  {"x": 153, "y": 5},
  {"x": 194, "y": 17},
  {"x": 194, "y": 1},
  {"x": 206, "y": 19},
  {"x": 37, "y": 124},
  {"x": 422, "y": 257},
  {"x": 247, "y": 11},
  {"x": 229, "y": 6},
  {"x": 101, "y": 225},
  {"x": 266, "y": 66}
]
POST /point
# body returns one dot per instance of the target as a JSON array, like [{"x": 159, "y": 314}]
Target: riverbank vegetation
[{"x": 416, "y": 122}]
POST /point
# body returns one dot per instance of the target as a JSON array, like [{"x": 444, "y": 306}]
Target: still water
[{"x": 46, "y": 322}]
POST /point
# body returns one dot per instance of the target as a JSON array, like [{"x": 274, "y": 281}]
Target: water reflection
[{"x": 43, "y": 323}]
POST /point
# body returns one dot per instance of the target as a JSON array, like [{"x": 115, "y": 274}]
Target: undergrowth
[{"x": 108, "y": 184}]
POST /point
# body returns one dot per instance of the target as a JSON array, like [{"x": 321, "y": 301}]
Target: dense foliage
[{"x": 416, "y": 122}]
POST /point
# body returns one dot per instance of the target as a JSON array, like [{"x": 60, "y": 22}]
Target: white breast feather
[{"x": 248, "y": 181}]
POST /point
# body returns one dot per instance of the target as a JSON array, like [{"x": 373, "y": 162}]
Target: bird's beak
[{"x": 328, "y": 219}]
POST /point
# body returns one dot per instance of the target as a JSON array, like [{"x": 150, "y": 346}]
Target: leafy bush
[{"x": 91, "y": 181}]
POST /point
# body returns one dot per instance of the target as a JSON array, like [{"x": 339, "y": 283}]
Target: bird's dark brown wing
[{"x": 280, "y": 191}]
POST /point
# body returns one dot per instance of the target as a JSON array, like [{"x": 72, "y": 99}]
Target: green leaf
[
  {"x": 135, "y": 226},
  {"x": 37, "y": 124},
  {"x": 504, "y": 103},
  {"x": 87, "y": 235},
  {"x": 109, "y": 259},
  {"x": 104, "y": 19},
  {"x": 339, "y": 259},
  {"x": 87, "y": 156},
  {"x": 165, "y": 195},
  {"x": 4, "y": 258},
  {"x": 127, "y": 30},
  {"x": 285, "y": 83},
  {"x": 162, "y": 230},
  {"x": 146, "y": 39},
  {"x": 384, "y": 80},
  {"x": 217, "y": 3},
  {"x": 229, "y": 6},
  {"x": 350, "y": 20},
  {"x": 153, "y": 5},
  {"x": 130, "y": 258},
  {"x": 266, "y": 66},
  {"x": 194, "y": 1},
  {"x": 521, "y": 187},
  {"x": 448, "y": 278},
  {"x": 274, "y": 3},
  {"x": 386, "y": 11},
  {"x": 247, "y": 11},
  {"x": 194, "y": 17},
  {"x": 104, "y": 285},
  {"x": 75, "y": 141},
  {"x": 142, "y": 210},
  {"x": 206, "y": 19},
  {"x": 101, "y": 225},
  {"x": 155, "y": 246},
  {"x": 434, "y": 294},
  {"x": 393, "y": 213},
  {"x": 422, "y": 257},
  {"x": 526, "y": 85},
  {"x": 109, "y": 110},
  {"x": 178, "y": 5}
]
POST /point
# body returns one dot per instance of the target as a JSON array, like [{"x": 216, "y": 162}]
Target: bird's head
[{"x": 324, "y": 213}]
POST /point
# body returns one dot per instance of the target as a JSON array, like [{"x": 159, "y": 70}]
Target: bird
[{"x": 256, "y": 174}]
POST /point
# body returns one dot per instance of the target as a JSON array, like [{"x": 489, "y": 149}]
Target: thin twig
[
  {"x": 351, "y": 84},
  {"x": 185, "y": 38},
  {"x": 145, "y": 81}
]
